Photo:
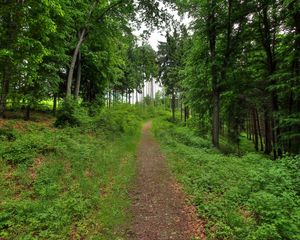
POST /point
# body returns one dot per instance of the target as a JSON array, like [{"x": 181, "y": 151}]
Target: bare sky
[{"x": 158, "y": 35}]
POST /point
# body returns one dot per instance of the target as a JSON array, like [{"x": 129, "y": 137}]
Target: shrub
[
  {"x": 71, "y": 114},
  {"x": 7, "y": 134},
  {"x": 25, "y": 149}
]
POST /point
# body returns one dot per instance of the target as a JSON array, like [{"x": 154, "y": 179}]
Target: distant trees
[
  {"x": 170, "y": 56},
  {"x": 241, "y": 67},
  {"x": 236, "y": 69},
  {"x": 68, "y": 49}
]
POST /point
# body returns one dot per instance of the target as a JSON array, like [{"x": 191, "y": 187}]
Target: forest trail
[{"x": 160, "y": 210}]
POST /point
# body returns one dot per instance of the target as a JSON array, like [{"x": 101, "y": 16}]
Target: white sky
[{"x": 158, "y": 35}]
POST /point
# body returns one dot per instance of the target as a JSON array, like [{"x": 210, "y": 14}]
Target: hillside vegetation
[
  {"x": 240, "y": 197},
  {"x": 68, "y": 183}
]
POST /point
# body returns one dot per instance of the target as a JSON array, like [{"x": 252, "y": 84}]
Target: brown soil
[{"x": 160, "y": 210}]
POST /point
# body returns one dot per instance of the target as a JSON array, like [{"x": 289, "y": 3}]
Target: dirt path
[{"x": 159, "y": 208}]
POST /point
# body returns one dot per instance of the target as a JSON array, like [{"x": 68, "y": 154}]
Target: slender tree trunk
[
  {"x": 268, "y": 145},
  {"x": 109, "y": 98},
  {"x": 129, "y": 97},
  {"x": 27, "y": 113},
  {"x": 12, "y": 29},
  {"x": 269, "y": 40},
  {"x": 173, "y": 106},
  {"x": 5, "y": 89},
  {"x": 136, "y": 97},
  {"x": 54, "y": 104},
  {"x": 250, "y": 128},
  {"x": 247, "y": 126},
  {"x": 73, "y": 62},
  {"x": 186, "y": 113},
  {"x": 259, "y": 131},
  {"x": 295, "y": 146},
  {"x": 255, "y": 133},
  {"x": 215, "y": 85},
  {"x": 78, "y": 77},
  {"x": 152, "y": 89},
  {"x": 216, "y": 119}
]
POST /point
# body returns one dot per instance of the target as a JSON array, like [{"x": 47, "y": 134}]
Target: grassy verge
[
  {"x": 240, "y": 197},
  {"x": 69, "y": 183}
]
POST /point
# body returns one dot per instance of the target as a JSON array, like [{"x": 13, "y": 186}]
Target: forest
[{"x": 107, "y": 134}]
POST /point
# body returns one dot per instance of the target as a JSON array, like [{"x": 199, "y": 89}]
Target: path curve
[{"x": 159, "y": 209}]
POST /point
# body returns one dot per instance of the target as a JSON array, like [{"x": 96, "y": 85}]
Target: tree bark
[
  {"x": 12, "y": 28},
  {"x": 78, "y": 77},
  {"x": 214, "y": 74},
  {"x": 186, "y": 113},
  {"x": 54, "y": 104},
  {"x": 255, "y": 130},
  {"x": 129, "y": 97},
  {"x": 136, "y": 97},
  {"x": 268, "y": 41},
  {"x": 268, "y": 145},
  {"x": 181, "y": 111},
  {"x": 5, "y": 89},
  {"x": 173, "y": 106},
  {"x": 259, "y": 130},
  {"x": 73, "y": 62},
  {"x": 27, "y": 113},
  {"x": 109, "y": 99}
]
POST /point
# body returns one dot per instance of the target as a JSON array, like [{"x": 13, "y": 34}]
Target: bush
[
  {"x": 25, "y": 149},
  {"x": 71, "y": 114},
  {"x": 118, "y": 120},
  {"x": 7, "y": 134}
]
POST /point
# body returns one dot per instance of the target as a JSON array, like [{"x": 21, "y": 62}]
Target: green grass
[
  {"x": 69, "y": 183},
  {"x": 240, "y": 197}
]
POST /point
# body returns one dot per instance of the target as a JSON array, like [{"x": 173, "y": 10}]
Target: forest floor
[{"x": 160, "y": 209}]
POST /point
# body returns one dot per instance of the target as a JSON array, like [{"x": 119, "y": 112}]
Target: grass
[
  {"x": 69, "y": 183},
  {"x": 239, "y": 196}
]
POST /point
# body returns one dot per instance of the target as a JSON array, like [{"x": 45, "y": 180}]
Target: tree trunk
[
  {"x": 54, "y": 104},
  {"x": 268, "y": 145},
  {"x": 78, "y": 77},
  {"x": 268, "y": 42},
  {"x": 109, "y": 99},
  {"x": 129, "y": 97},
  {"x": 152, "y": 90},
  {"x": 186, "y": 113},
  {"x": 215, "y": 85},
  {"x": 255, "y": 132},
  {"x": 173, "y": 106},
  {"x": 136, "y": 97},
  {"x": 181, "y": 111},
  {"x": 27, "y": 113},
  {"x": 73, "y": 62},
  {"x": 5, "y": 89},
  {"x": 216, "y": 119},
  {"x": 259, "y": 131},
  {"x": 12, "y": 29}
]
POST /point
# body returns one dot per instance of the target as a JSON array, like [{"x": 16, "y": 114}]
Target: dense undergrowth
[
  {"x": 71, "y": 182},
  {"x": 240, "y": 197}
]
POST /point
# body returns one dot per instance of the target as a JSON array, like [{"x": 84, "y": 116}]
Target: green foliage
[
  {"x": 248, "y": 197},
  {"x": 70, "y": 182},
  {"x": 25, "y": 148},
  {"x": 122, "y": 119},
  {"x": 70, "y": 114},
  {"x": 7, "y": 134}
]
